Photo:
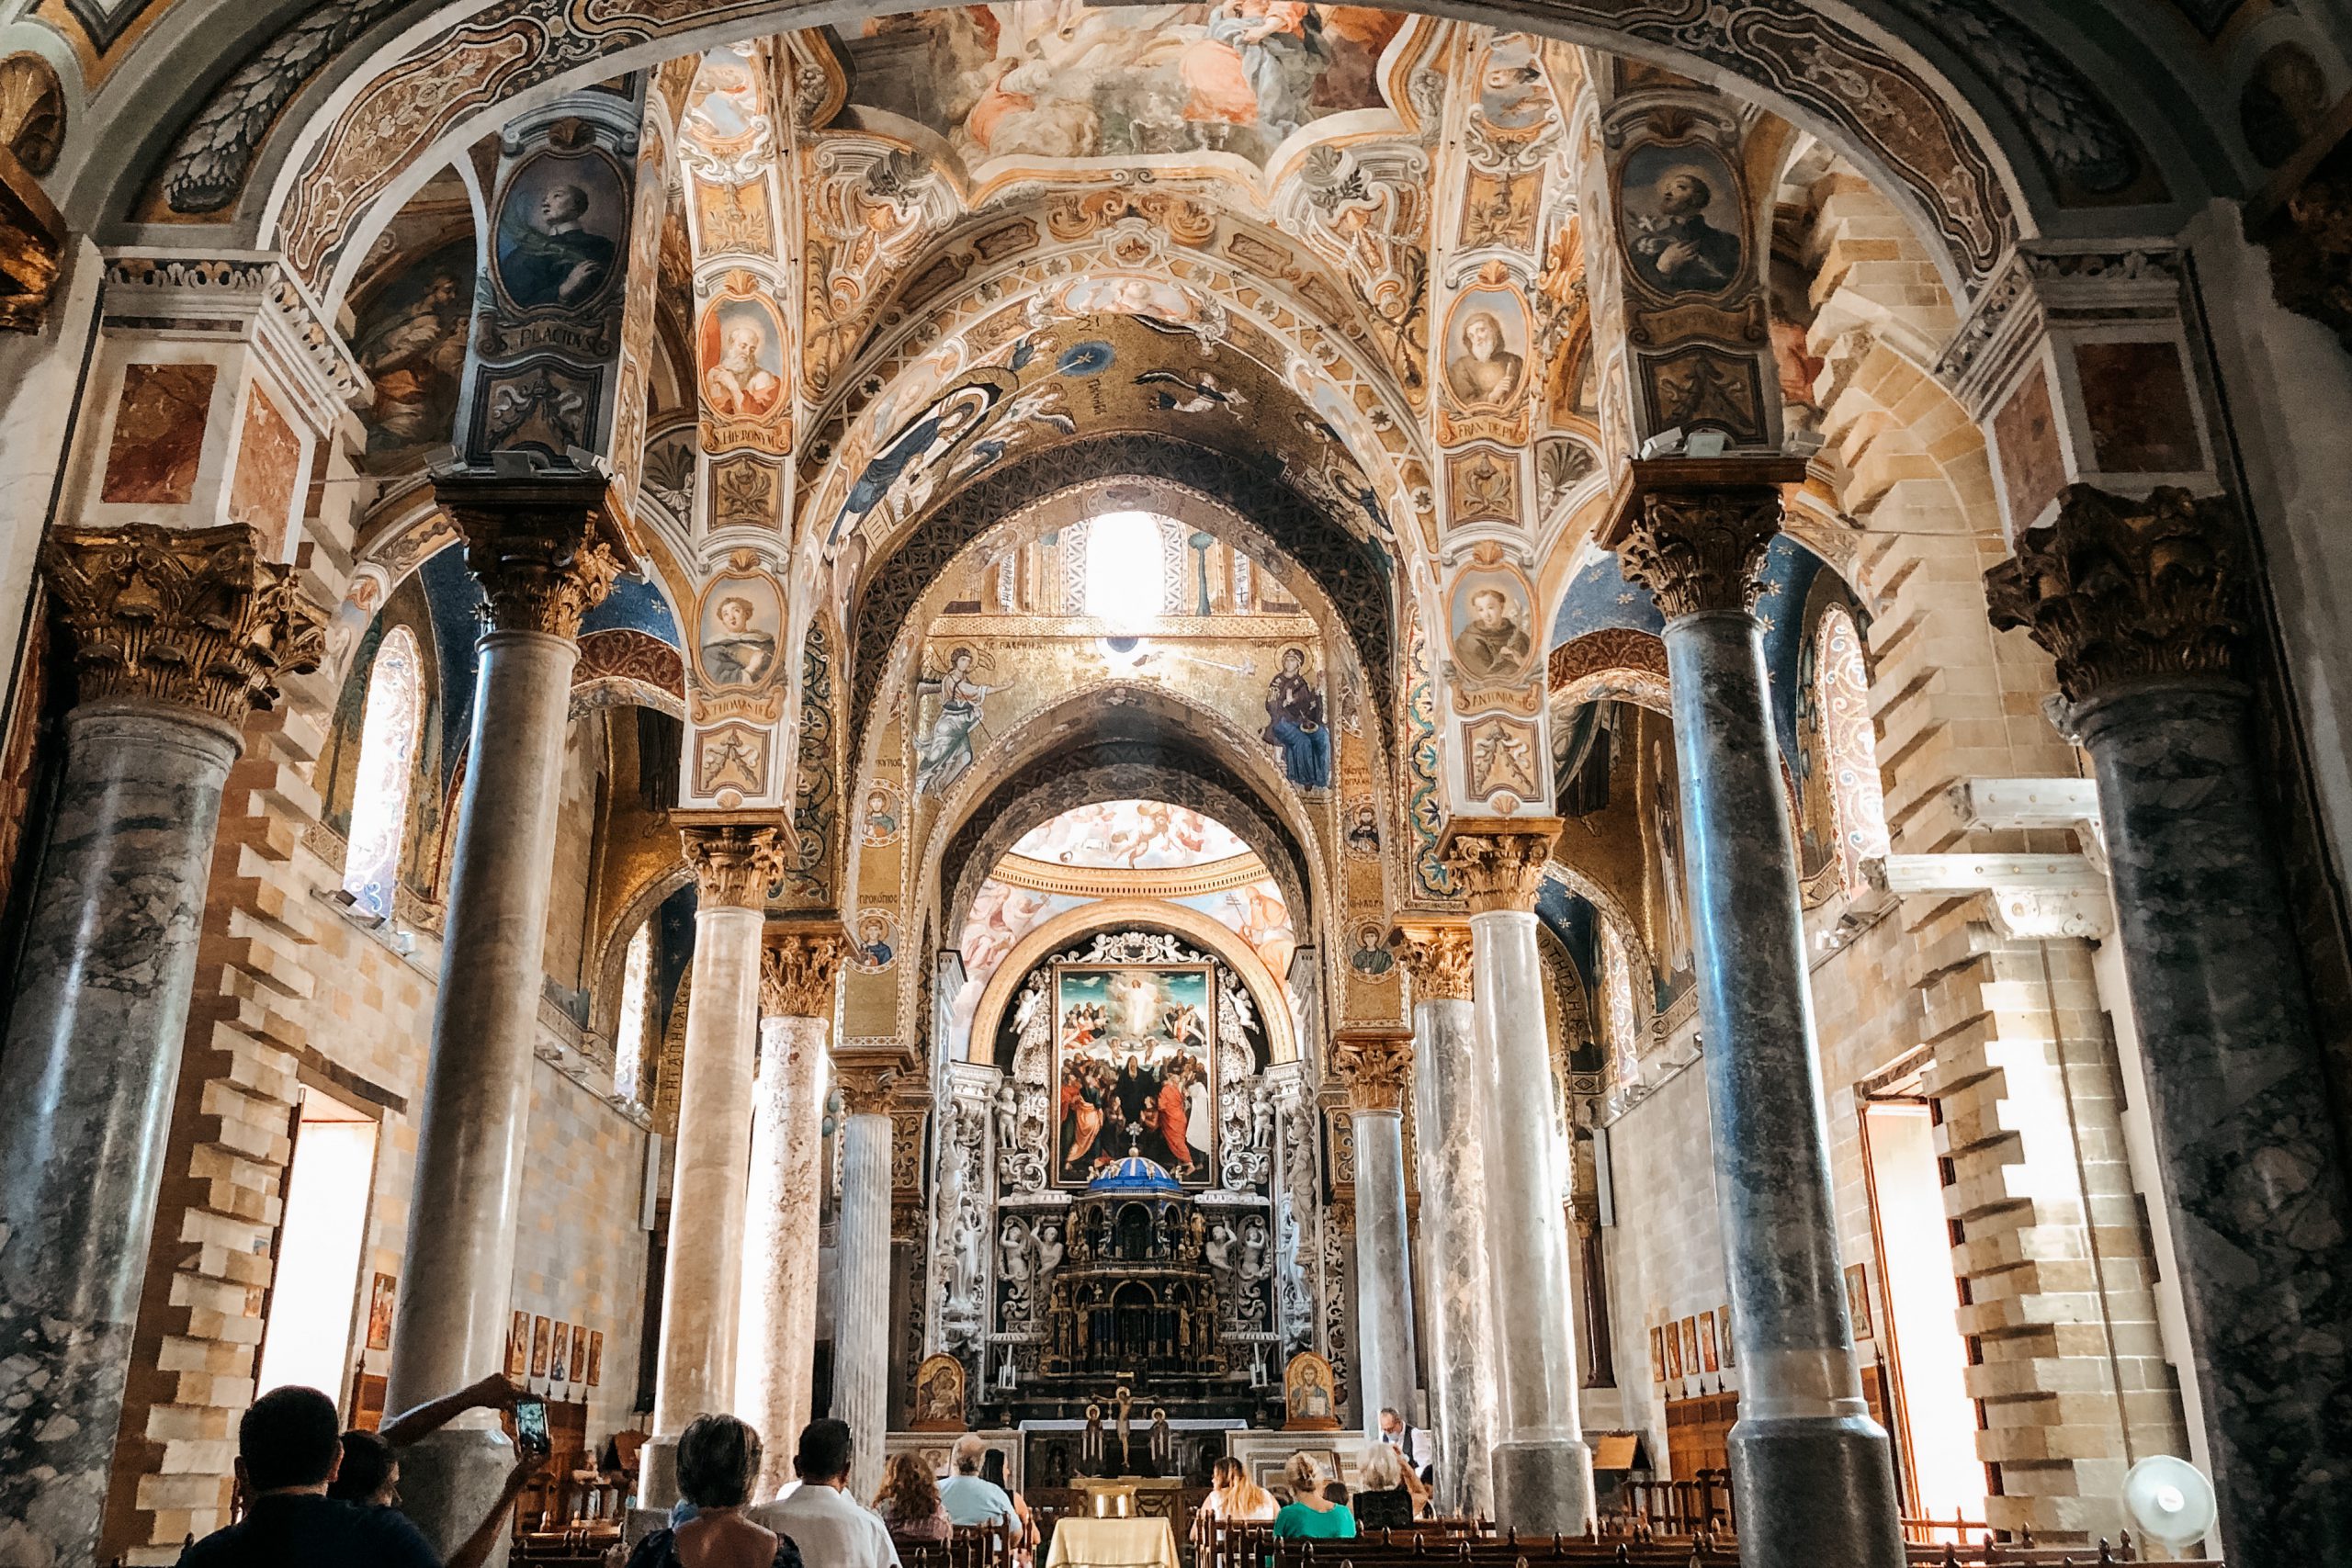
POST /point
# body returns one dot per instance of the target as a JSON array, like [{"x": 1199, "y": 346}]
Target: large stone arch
[
  {"x": 1112, "y": 766},
  {"x": 1264, "y": 986},
  {"x": 1131, "y": 721},
  {"x": 1251, "y": 503},
  {"x": 1921, "y": 104}
]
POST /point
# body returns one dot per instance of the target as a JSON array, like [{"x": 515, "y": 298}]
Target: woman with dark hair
[
  {"x": 909, "y": 1501},
  {"x": 718, "y": 1456}
]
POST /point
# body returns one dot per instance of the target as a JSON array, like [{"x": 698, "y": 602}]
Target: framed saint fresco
[{"x": 1135, "y": 1069}]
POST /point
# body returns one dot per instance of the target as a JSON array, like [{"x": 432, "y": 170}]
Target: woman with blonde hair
[
  {"x": 1308, "y": 1515},
  {"x": 909, "y": 1501},
  {"x": 1233, "y": 1499}
]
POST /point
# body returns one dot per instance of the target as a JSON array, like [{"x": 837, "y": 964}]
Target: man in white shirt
[
  {"x": 971, "y": 1498},
  {"x": 824, "y": 1521},
  {"x": 1412, "y": 1443}
]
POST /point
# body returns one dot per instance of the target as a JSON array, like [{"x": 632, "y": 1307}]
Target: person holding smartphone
[{"x": 288, "y": 1453}]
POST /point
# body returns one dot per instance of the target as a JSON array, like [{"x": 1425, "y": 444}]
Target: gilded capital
[
  {"x": 1498, "y": 860},
  {"x": 1701, "y": 548},
  {"x": 1436, "y": 955},
  {"x": 798, "y": 964},
  {"x": 188, "y": 617},
  {"x": 1377, "y": 1064},
  {"x": 545, "y": 547},
  {"x": 2120, "y": 590},
  {"x": 734, "y": 863},
  {"x": 868, "y": 1081}
]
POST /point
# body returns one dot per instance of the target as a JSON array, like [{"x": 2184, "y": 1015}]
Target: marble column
[
  {"x": 1543, "y": 1471},
  {"x": 702, "y": 1280},
  {"x": 542, "y": 549},
  {"x": 2146, "y": 605},
  {"x": 862, "y": 1323},
  {"x": 176, "y": 634},
  {"x": 1812, "y": 1474},
  {"x": 776, "y": 1348},
  {"x": 1450, "y": 1120},
  {"x": 1376, "y": 1065}
]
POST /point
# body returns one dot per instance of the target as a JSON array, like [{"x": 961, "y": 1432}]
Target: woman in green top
[{"x": 1308, "y": 1514}]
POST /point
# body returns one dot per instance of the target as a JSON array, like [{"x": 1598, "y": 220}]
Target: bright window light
[{"x": 1123, "y": 570}]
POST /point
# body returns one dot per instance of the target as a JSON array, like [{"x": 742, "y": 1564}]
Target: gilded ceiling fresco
[{"x": 1045, "y": 79}]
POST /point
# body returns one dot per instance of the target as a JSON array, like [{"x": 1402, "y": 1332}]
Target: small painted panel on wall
[
  {"x": 1673, "y": 1351},
  {"x": 578, "y": 1352},
  {"x": 379, "y": 1313},
  {"x": 1657, "y": 1354},
  {"x": 595, "y": 1356},
  {"x": 1857, "y": 1298},
  {"x": 1690, "y": 1346},
  {"x": 1707, "y": 1355},
  {"x": 559, "y": 1358},
  {"x": 541, "y": 1328},
  {"x": 518, "y": 1346},
  {"x": 1723, "y": 1316}
]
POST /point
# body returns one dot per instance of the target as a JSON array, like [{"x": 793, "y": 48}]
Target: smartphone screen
[{"x": 531, "y": 1426}]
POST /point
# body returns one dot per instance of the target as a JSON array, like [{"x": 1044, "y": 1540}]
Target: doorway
[
  {"x": 1937, "y": 1421},
  {"x": 321, "y": 1233}
]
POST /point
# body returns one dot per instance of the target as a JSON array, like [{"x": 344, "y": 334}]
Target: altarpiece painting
[{"x": 1135, "y": 1069}]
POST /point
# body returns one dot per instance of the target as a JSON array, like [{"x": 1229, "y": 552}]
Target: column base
[
  {"x": 448, "y": 1480},
  {"x": 1814, "y": 1490},
  {"x": 657, "y": 1476},
  {"x": 1543, "y": 1487}
]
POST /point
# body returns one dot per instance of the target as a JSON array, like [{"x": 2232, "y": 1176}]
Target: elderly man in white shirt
[
  {"x": 832, "y": 1529},
  {"x": 970, "y": 1497}
]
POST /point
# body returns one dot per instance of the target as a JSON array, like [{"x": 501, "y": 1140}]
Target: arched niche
[
  {"x": 1266, "y": 989},
  {"x": 1343, "y": 581}
]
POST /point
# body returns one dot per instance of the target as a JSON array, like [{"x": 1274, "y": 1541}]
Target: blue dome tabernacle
[{"x": 1137, "y": 1173}]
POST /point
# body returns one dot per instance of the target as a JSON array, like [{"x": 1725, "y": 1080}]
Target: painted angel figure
[{"x": 944, "y": 749}]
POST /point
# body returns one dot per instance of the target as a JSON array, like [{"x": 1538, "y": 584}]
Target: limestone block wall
[
  {"x": 580, "y": 1255},
  {"x": 1665, "y": 1254}
]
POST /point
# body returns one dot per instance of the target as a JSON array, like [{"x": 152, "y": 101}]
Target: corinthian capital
[
  {"x": 734, "y": 863},
  {"x": 189, "y": 616},
  {"x": 1693, "y": 530},
  {"x": 2119, "y": 590},
  {"x": 1436, "y": 955},
  {"x": 544, "y": 547},
  {"x": 1377, "y": 1064},
  {"x": 868, "y": 1080},
  {"x": 1498, "y": 860},
  {"x": 798, "y": 966}
]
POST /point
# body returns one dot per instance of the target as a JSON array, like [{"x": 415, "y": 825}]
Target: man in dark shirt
[{"x": 289, "y": 1445}]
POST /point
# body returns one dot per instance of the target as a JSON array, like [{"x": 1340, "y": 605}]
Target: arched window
[
  {"x": 1617, "y": 998},
  {"x": 387, "y": 755},
  {"x": 1127, "y": 578},
  {"x": 628, "y": 1033},
  {"x": 1850, "y": 746}
]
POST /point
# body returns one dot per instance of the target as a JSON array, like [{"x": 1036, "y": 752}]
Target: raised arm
[{"x": 495, "y": 1391}]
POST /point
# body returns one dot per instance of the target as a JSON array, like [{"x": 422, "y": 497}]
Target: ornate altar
[
  {"x": 1069, "y": 1254},
  {"x": 1135, "y": 1296}
]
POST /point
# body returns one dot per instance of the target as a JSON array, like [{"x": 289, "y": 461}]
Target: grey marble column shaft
[
  {"x": 457, "y": 1276},
  {"x": 1812, "y": 1474},
  {"x": 862, "y": 1331},
  {"x": 702, "y": 1281},
  {"x": 87, "y": 1084},
  {"x": 777, "y": 1350},
  {"x": 1449, "y": 1114},
  {"x": 1543, "y": 1471},
  {"x": 2254, "y": 1179},
  {"x": 1385, "y": 1361}
]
